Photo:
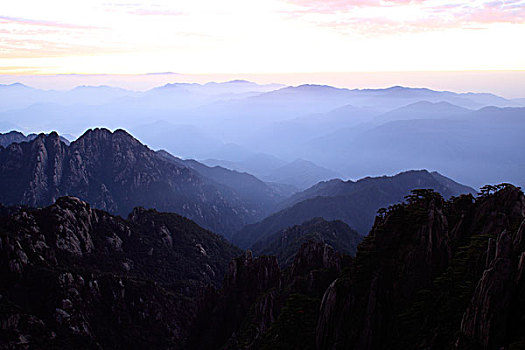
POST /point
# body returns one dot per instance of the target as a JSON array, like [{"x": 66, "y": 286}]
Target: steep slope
[
  {"x": 115, "y": 172},
  {"x": 435, "y": 275},
  {"x": 402, "y": 182},
  {"x": 354, "y": 203},
  {"x": 12, "y": 137},
  {"x": 77, "y": 277},
  {"x": 431, "y": 274},
  {"x": 285, "y": 244},
  {"x": 256, "y": 193}
]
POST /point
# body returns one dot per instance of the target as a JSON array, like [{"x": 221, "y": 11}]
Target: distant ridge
[{"x": 355, "y": 203}]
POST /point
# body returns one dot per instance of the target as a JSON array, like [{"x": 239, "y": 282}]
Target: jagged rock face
[
  {"x": 77, "y": 277},
  {"x": 496, "y": 309},
  {"x": 16, "y": 137},
  {"x": 115, "y": 172},
  {"x": 12, "y": 137},
  {"x": 257, "y": 304},
  {"x": 315, "y": 256},
  {"x": 221, "y": 316},
  {"x": 402, "y": 256},
  {"x": 425, "y": 274}
]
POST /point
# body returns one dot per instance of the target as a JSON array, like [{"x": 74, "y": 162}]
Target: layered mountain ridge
[
  {"x": 115, "y": 172},
  {"x": 354, "y": 203}
]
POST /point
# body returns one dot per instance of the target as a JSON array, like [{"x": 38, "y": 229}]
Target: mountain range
[
  {"x": 16, "y": 137},
  {"x": 286, "y": 243},
  {"x": 98, "y": 250},
  {"x": 352, "y": 133},
  {"x": 115, "y": 172}
]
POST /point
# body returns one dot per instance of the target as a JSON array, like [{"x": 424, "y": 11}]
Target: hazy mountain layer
[
  {"x": 354, "y": 203},
  {"x": 258, "y": 194},
  {"x": 354, "y": 133}
]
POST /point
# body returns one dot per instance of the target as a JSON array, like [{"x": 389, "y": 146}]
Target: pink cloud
[
  {"x": 155, "y": 12},
  {"x": 333, "y": 6},
  {"x": 141, "y": 10},
  {"x": 455, "y": 14},
  {"x": 25, "y": 47},
  {"x": 42, "y": 23}
]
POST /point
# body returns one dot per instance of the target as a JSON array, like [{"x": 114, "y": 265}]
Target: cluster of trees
[
  {"x": 424, "y": 195},
  {"x": 487, "y": 190}
]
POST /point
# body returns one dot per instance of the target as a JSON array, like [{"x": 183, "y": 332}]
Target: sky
[{"x": 260, "y": 37}]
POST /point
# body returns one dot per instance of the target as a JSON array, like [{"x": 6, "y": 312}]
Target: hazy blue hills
[
  {"x": 352, "y": 133},
  {"x": 474, "y": 147},
  {"x": 260, "y": 195}
]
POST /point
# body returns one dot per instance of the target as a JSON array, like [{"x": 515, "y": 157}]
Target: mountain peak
[
  {"x": 16, "y": 85},
  {"x": 239, "y": 81}
]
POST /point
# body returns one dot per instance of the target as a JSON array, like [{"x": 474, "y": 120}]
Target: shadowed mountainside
[
  {"x": 432, "y": 274},
  {"x": 77, "y": 277}
]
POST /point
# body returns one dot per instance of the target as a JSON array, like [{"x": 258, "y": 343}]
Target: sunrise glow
[{"x": 260, "y": 37}]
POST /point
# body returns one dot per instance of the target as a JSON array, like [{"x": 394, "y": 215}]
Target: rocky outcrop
[
  {"x": 254, "y": 306},
  {"x": 425, "y": 274},
  {"x": 315, "y": 255},
  {"x": 115, "y": 172},
  {"x": 78, "y": 277},
  {"x": 496, "y": 309},
  {"x": 222, "y": 314}
]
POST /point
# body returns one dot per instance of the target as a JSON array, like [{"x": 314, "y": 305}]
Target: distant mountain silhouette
[
  {"x": 354, "y": 203},
  {"x": 423, "y": 110},
  {"x": 355, "y": 132},
  {"x": 298, "y": 174}
]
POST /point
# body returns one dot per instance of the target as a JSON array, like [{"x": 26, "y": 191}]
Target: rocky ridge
[
  {"x": 77, "y": 277},
  {"x": 115, "y": 172}
]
